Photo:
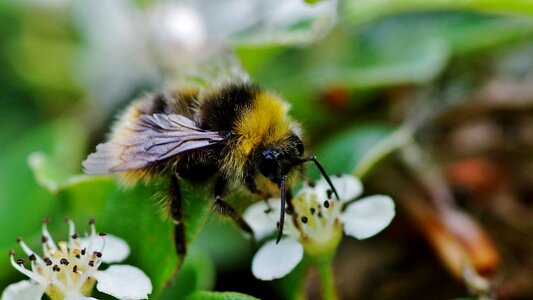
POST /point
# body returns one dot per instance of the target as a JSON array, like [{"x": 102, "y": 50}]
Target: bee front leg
[
  {"x": 226, "y": 209},
  {"x": 250, "y": 184},
  {"x": 176, "y": 213},
  {"x": 252, "y": 187}
]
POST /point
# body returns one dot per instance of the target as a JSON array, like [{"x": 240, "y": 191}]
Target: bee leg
[
  {"x": 250, "y": 184},
  {"x": 176, "y": 212},
  {"x": 226, "y": 209}
]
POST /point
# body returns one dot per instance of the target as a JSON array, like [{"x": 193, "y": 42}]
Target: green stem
[
  {"x": 293, "y": 285},
  {"x": 327, "y": 279}
]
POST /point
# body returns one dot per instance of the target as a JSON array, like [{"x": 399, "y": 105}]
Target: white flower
[
  {"x": 316, "y": 224},
  {"x": 128, "y": 46},
  {"x": 69, "y": 270}
]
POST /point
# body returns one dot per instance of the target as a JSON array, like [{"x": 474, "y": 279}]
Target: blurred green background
[{"x": 67, "y": 67}]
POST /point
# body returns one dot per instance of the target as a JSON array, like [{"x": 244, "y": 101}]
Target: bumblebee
[{"x": 237, "y": 133}]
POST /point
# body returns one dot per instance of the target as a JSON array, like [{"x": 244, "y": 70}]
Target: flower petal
[
  {"x": 349, "y": 187},
  {"x": 24, "y": 289},
  {"x": 261, "y": 222},
  {"x": 124, "y": 282},
  {"x": 114, "y": 249},
  {"x": 368, "y": 216},
  {"x": 274, "y": 261}
]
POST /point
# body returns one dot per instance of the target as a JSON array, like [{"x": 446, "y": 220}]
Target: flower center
[
  {"x": 65, "y": 268},
  {"x": 318, "y": 220}
]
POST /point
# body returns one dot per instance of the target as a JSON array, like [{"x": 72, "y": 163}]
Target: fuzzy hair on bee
[{"x": 236, "y": 132}]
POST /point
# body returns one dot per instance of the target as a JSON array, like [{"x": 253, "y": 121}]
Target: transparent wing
[{"x": 151, "y": 139}]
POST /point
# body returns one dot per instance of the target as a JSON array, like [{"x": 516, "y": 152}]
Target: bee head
[{"x": 274, "y": 161}]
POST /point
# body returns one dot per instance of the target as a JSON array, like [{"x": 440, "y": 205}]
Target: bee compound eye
[
  {"x": 268, "y": 163},
  {"x": 270, "y": 155}
]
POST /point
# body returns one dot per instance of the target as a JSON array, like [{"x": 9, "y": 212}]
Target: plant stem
[{"x": 327, "y": 279}]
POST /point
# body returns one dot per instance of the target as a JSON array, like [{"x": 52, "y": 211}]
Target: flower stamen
[
  {"x": 329, "y": 194},
  {"x": 28, "y": 251},
  {"x": 23, "y": 270},
  {"x": 47, "y": 238},
  {"x": 47, "y": 261}
]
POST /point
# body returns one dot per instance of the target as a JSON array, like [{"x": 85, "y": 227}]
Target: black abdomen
[{"x": 199, "y": 166}]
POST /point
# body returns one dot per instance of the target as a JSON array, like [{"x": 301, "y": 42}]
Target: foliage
[{"x": 342, "y": 87}]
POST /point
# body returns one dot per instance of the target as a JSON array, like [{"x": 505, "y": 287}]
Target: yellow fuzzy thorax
[{"x": 265, "y": 123}]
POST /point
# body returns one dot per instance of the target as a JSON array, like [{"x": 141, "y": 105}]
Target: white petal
[
  {"x": 275, "y": 261},
  {"x": 124, "y": 282},
  {"x": 348, "y": 187},
  {"x": 114, "y": 249},
  {"x": 368, "y": 216},
  {"x": 262, "y": 223},
  {"x": 24, "y": 289}
]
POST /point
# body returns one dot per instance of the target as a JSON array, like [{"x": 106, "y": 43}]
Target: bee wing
[{"x": 152, "y": 138}]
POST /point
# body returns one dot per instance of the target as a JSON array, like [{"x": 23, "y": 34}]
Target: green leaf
[
  {"x": 48, "y": 173},
  {"x": 197, "y": 273},
  {"x": 44, "y": 52},
  {"x": 342, "y": 152},
  {"x": 134, "y": 215},
  {"x": 225, "y": 242},
  {"x": 203, "y": 295},
  {"x": 23, "y": 203},
  {"x": 51, "y": 175},
  {"x": 381, "y": 150},
  {"x": 129, "y": 214},
  {"x": 85, "y": 196},
  {"x": 410, "y": 48},
  {"x": 364, "y": 10},
  {"x": 52, "y": 169},
  {"x": 196, "y": 206}
]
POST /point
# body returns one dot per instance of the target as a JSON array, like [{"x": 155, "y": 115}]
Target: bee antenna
[
  {"x": 283, "y": 188},
  {"x": 322, "y": 171}
]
